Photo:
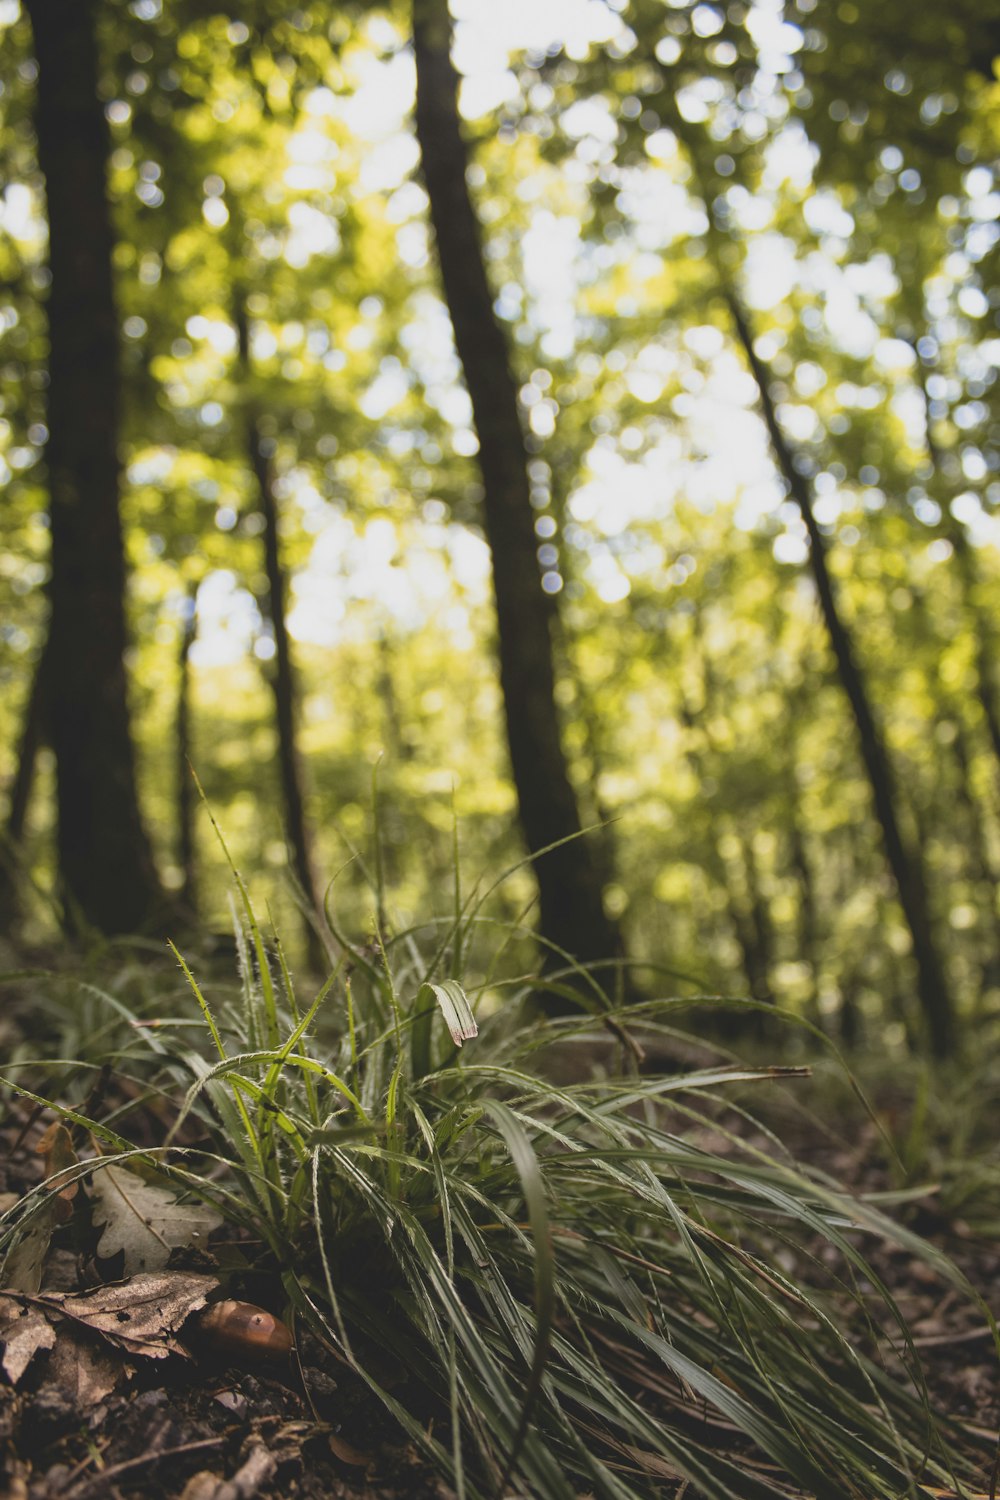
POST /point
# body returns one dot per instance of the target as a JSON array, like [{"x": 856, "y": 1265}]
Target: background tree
[
  {"x": 104, "y": 857},
  {"x": 933, "y": 988},
  {"x": 572, "y": 915}
]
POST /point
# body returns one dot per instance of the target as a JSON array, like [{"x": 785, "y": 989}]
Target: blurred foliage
[{"x": 836, "y": 162}]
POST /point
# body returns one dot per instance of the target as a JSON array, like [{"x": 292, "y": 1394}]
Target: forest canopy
[{"x": 564, "y": 416}]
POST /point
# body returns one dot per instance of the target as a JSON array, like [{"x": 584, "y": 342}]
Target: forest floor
[
  {"x": 168, "y": 1411},
  {"x": 90, "y": 1420}
]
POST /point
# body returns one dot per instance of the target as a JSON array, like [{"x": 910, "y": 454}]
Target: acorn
[{"x": 244, "y": 1333}]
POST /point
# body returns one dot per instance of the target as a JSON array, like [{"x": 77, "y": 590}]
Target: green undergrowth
[
  {"x": 608, "y": 1284},
  {"x": 943, "y": 1125}
]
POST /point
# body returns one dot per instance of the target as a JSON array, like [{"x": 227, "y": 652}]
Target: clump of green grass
[{"x": 581, "y": 1283}]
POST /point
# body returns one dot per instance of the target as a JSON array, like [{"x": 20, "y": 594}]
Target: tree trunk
[
  {"x": 802, "y": 870},
  {"x": 572, "y": 915},
  {"x": 398, "y": 741},
  {"x": 283, "y": 678},
  {"x": 760, "y": 926},
  {"x": 105, "y": 862},
  {"x": 932, "y": 987},
  {"x": 185, "y": 782},
  {"x": 749, "y": 924}
]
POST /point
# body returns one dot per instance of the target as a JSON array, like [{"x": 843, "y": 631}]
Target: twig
[{"x": 107, "y": 1475}]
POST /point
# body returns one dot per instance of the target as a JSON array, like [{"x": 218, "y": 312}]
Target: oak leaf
[
  {"x": 144, "y": 1221},
  {"x": 140, "y": 1315}
]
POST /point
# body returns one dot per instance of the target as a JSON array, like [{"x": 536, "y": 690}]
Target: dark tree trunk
[
  {"x": 808, "y": 916},
  {"x": 283, "y": 678},
  {"x": 572, "y": 915},
  {"x": 760, "y": 926},
  {"x": 186, "y": 857},
  {"x": 105, "y": 863},
  {"x": 907, "y": 871},
  {"x": 398, "y": 741},
  {"x": 750, "y": 927}
]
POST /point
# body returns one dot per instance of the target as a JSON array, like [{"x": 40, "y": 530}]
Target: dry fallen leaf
[
  {"x": 24, "y": 1330},
  {"x": 83, "y": 1372},
  {"x": 55, "y": 1146},
  {"x": 141, "y": 1315},
  {"x": 144, "y": 1221}
]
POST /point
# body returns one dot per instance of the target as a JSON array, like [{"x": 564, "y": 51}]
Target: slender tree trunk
[
  {"x": 105, "y": 862},
  {"x": 398, "y": 741},
  {"x": 760, "y": 925},
  {"x": 283, "y": 679},
  {"x": 932, "y": 986},
  {"x": 185, "y": 782},
  {"x": 749, "y": 923},
  {"x": 572, "y": 915},
  {"x": 808, "y": 915}
]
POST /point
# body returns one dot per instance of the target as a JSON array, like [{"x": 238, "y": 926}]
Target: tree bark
[
  {"x": 572, "y": 915},
  {"x": 186, "y": 857},
  {"x": 746, "y": 918},
  {"x": 805, "y": 880},
  {"x": 105, "y": 861},
  {"x": 906, "y": 868},
  {"x": 759, "y": 924},
  {"x": 283, "y": 679}
]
